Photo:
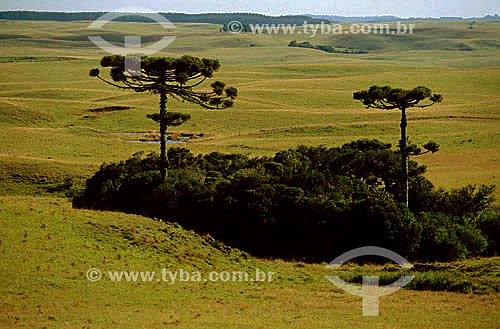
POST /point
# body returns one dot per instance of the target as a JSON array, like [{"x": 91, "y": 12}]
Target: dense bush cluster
[
  {"x": 328, "y": 49},
  {"x": 308, "y": 203}
]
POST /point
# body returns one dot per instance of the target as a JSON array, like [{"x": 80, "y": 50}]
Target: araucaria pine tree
[
  {"x": 387, "y": 98},
  {"x": 169, "y": 77}
]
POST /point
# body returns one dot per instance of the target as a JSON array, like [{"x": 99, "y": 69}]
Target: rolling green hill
[
  {"x": 287, "y": 95},
  {"x": 47, "y": 248}
]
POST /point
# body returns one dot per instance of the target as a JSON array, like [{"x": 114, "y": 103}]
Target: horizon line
[{"x": 243, "y": 12}]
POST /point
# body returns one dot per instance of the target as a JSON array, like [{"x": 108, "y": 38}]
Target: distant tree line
[
  {"x": 222, "y": 18},
  {"x": 388, "y": 18},
  {"x": 328, "y": 49},
  {"x": 215, "y": 18},
  {"x": 307, "y": 203}
]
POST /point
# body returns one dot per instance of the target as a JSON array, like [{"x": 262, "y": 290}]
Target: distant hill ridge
[
  {"x": 214, "y": 18},
  {"x": 224, "y": 18},
  {"x": 374, "y": 19}
]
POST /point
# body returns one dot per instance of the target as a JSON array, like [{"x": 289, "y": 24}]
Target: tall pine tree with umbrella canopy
[
  {"x": 169, "y": 77},
  {"x": 388, "y": 98}
]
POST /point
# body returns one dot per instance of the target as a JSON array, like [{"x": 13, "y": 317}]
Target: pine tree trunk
[
  {"x": 404, "y": 157},
  {"x": 163, "y": 136}
]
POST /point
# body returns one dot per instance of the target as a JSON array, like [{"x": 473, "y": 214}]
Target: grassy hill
[{"x": 47, "y": 248}]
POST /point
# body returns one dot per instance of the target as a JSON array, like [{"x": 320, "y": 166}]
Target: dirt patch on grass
[
  {"x": 454, "y": 117},
  {"x": 110, "y": 109},
  {"x": 32, "y": 59},
  {"x": 154, "y": 137}
]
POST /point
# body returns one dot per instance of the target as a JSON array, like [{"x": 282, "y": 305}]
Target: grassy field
[{"x": 288, "y": 96}]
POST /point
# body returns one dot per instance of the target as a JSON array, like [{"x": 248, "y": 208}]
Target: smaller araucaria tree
[
  {"x": 169, "y": 77},
  {"x": 387, "y": 98}
]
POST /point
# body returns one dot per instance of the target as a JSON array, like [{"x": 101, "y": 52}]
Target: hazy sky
[{"x": 402, "y": 8}]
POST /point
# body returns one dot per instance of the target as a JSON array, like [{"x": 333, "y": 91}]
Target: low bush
[
  {"x": 308, "y": 203},
  {"x": 489, "y": 224},
  {"x": 446, "y": 237}
]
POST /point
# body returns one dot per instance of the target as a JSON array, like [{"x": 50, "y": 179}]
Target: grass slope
[{"x": 47, "y": 247}]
